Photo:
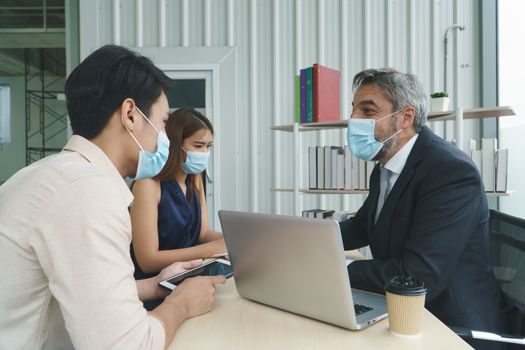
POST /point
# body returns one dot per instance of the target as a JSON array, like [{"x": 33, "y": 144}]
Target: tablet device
[{"x": 208, "y": 268}]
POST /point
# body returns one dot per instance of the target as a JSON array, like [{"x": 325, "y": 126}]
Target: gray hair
[{"x": 401, "y": 89}]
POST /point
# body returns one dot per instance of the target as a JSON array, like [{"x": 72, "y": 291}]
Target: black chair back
[{"x": 507, "y": 245}]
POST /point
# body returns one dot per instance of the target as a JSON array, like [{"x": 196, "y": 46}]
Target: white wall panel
[
  {"x": 105, "y": 27},
  {"x": 356, "y": 38},
  {"x": 422, "y": 41},
  {"x": 196, "y": 22},
  {"x": 174, "y": 22},
  {"x": 263, "y": 101},
  {"x": 241, "y": 130},
  {"x": 219, "y": 22},
  {"x": 374, "y": 29},
  {"x": 274, "y": 38},
  {"x": 128, "y": 18},
  {"x": 332, "y": 33},
  {"x": 150, "y": 17}
]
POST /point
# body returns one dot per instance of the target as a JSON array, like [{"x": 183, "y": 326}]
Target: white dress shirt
[
  {"x": 398, "y": 160},
  {"x": 395, "y": 165},
  {"x": 67, "y": 276}
]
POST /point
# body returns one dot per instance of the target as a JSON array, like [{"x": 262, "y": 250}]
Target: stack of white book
[
  {"x": 491, "y": 162},
  {"x": 335, "y": 168}
]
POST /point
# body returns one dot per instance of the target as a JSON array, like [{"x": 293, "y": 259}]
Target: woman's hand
[{"x": 218, "y": 248}]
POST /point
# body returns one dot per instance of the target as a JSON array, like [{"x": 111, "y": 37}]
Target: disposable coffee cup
[{"x": 405, "y": 300}]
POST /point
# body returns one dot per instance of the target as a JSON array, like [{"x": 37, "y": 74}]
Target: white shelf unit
[
  {"x": 308, "y": 190},
  {"x": 458, "y": 116}
]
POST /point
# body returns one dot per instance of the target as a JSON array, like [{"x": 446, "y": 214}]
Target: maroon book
[{"x": 326, "y": 93}]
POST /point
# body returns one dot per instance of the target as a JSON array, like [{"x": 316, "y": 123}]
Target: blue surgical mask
[
  {"x": 196, "y": 162},
  {"x": 150, "y": 164},
  {"x": 361, "y": 139}
]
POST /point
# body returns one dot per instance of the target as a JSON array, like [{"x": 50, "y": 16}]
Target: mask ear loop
[
  {"x": 150, "y": 123},
  {"x": 133, "y": 137},
  {"x": 392, "y": 135},
  {"x": 395, "y": 132},
  {"x": 386, "y": 116}
]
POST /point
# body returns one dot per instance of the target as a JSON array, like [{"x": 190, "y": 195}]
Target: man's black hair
[{"x": 99, "y": 85}]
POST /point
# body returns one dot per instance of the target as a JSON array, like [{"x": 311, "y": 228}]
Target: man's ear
[
  {"x": 127, "y": 114},
  {"x": 408, "y": 117}
]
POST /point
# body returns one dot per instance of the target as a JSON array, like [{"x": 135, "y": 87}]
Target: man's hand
[
  {"x": 171, "y": 270},
  {"x": 195, "y": 295}
]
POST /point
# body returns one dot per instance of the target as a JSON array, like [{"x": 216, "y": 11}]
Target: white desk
[{"x": 236, "y": 323}]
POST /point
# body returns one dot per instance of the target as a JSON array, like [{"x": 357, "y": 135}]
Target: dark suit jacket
[{"x": 434, "y": 225}]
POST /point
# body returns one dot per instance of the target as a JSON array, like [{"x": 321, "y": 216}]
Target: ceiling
[{"x": 32, "y": 24}]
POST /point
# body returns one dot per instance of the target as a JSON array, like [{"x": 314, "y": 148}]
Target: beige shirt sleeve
[{"x": 82, "y": 243}]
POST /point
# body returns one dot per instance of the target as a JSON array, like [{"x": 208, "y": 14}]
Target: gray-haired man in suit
[{"x": 426, "y": 214}]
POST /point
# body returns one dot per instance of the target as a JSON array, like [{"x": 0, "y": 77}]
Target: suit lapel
[
  {"x": 416, "y": 154},
  {"x": 402, "y": 181}
]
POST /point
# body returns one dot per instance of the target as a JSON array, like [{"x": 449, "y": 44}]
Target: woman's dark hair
[
  {"x": 181, "y": 124},
  {"x": 98, "y": 86}
]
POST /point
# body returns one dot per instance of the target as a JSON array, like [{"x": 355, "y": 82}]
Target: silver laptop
[{"x": 298, "y": 265}]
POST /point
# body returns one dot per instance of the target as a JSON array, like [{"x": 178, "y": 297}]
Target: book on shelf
[
  {"x": 310, "y": 213},
  {"x": 340, "y": 168},
  {"x": 342, "y": 215},
  {"x": 333, "y": 171},
  {"x": 476, "y": 158},
  {"x": 297, "y": 98},
  {"x": 309, "y": 95},
  {"x": 302, "y": 95},
  {"x": 327, "y": 167},
  {"x": 324, "y": 214},
  {"x": 348, "y": 168},
  {"x": 469, "y": 146},
  {"x": 320, "y": 167},
  {"x": 502, "y": 158},
  {"x": 312, "y": 167},
  {"x": 492, "y": 163},
  {"x": 318, "y": 94},
  {"x": 335, "y": 168},
  {"x": 355, "y": 172},
  {"x": 362, "y": 174},
  {"x": 327, "y": 214},
  {"x": 326, "y": 93},
  {"x": 488, "y": 164},
  {"x": 369, "y": 168}
]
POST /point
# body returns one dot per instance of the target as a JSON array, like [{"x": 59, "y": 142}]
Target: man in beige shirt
[{"x": 65, "y": 232}]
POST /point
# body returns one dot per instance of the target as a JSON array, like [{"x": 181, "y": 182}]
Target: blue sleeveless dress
[{"x": 179, "y": 220}]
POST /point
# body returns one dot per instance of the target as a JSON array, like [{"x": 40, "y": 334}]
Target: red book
[{"x": 326, "y": 93}]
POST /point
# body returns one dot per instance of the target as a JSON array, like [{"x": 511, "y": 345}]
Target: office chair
[{"x": 507, "y": 249}]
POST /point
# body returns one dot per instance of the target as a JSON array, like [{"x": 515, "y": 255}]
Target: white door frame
[{"x": 220, "y": 62}]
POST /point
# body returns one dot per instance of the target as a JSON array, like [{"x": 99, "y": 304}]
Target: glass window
[
  {"x": 511, "y": 39},
  {"x": 187, "y": 93}
]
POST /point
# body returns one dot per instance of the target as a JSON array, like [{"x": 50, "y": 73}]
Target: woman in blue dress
[{"x": 168, "y": 215}]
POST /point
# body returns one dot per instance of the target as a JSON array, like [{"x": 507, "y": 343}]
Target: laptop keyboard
[{"x": 361, "y": 309}]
